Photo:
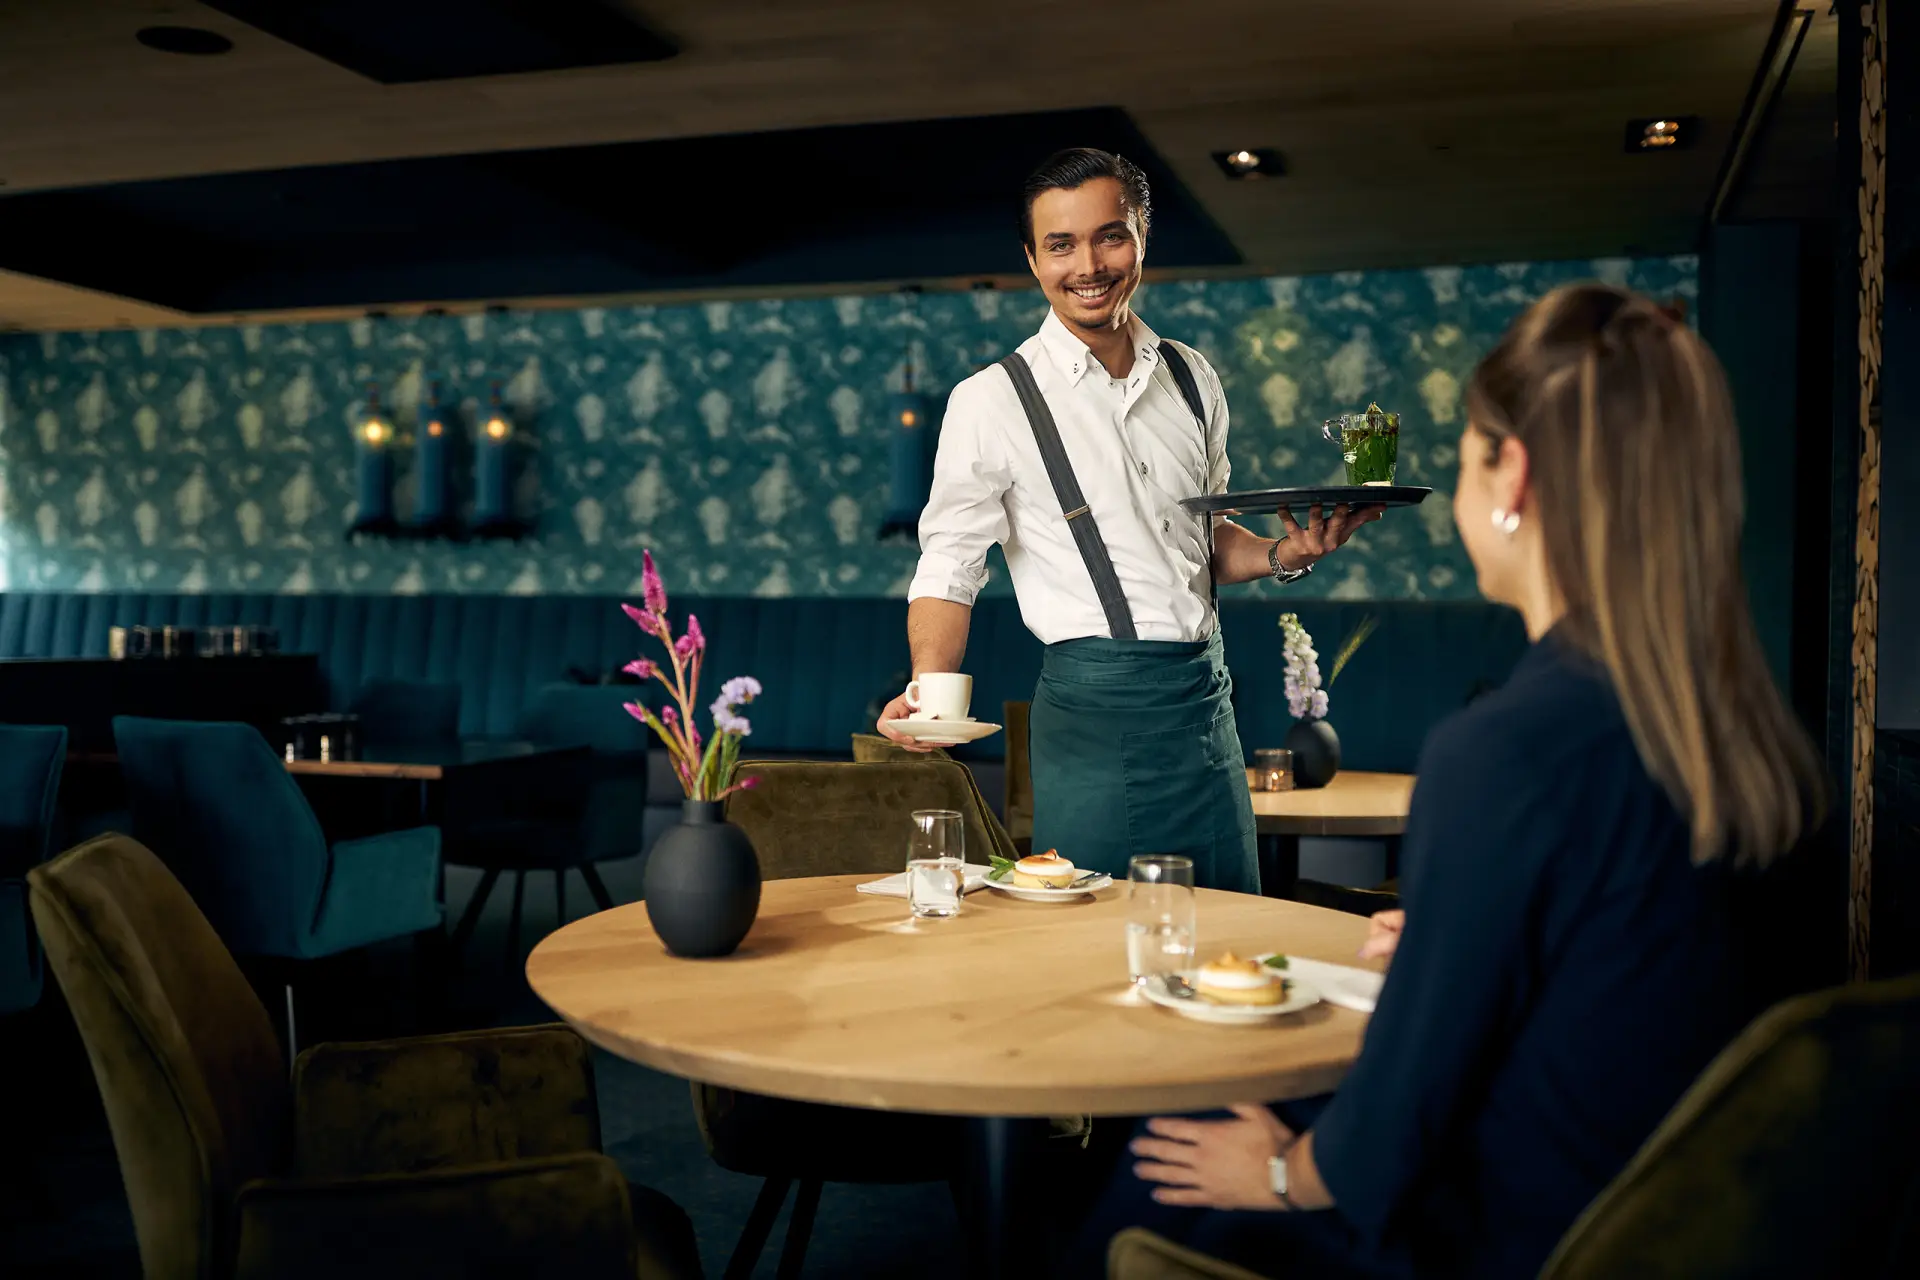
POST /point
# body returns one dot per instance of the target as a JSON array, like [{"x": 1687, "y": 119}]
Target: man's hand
[
  {"x": 898, "y": 710},
  {"x": 1214, "y": 1164},
  {"x": 1383, "y": 934},
  {"x": 1303, "y": 547}
]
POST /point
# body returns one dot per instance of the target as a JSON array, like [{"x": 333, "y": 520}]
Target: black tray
[{"x": 1269, "y": 501}]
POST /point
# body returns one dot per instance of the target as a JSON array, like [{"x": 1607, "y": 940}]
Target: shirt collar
[{"x": 1071, "y": 356}]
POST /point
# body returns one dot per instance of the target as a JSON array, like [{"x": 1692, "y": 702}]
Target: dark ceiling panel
[
  {"x": 411, "y": 41},
  {"x": 862, "y": 203}
]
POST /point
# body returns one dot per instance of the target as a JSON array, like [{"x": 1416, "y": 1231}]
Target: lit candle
[
  {"x": 373, "y": 467},
  {"x": 490, "y": 480},
  {"x": 430, "y": 467}
]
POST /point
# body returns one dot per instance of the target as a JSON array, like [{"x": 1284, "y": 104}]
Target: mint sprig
[{"x": 1002, "y": 867}]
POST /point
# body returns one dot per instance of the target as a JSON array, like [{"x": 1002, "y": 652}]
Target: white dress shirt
[{"x": 1137, "y": 451}]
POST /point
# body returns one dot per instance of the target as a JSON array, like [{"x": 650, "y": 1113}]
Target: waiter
[{"x": 1074, "y": 454}]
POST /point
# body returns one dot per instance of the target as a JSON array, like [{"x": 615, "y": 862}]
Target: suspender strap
[
  {"x": 1190, "y": 392},
  {"x": 1086, "y": 534}
]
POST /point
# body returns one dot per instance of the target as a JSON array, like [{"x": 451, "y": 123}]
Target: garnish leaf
[
  {"x": 1002, "y": 867},
  {"x": 1275, "y": 962}
]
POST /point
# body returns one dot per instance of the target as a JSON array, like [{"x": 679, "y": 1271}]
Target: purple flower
[
  {"x": 641, "y": 667},
  {"x": 654, "y": 590},
  {"x": 635, "y": 710},
  {"x": 738, "y": 690},
  {"x": 669, "y": 717},
  {"x": 685, "y": 647},
  {"x": 749, "y": 782},
  {"x": 724, "y": 721},
  {"x": 652, "y": 624},
  {"x": 694, "y": 635}
]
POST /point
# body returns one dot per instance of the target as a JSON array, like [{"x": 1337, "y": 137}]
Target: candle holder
[{"x": 1272, "y": 770}]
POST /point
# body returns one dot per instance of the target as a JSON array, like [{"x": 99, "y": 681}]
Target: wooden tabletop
[
  {"x": 1353, "y": 804},
  {"x": 417, "y": 763},
  {"x": 1010, "y": 1009}
]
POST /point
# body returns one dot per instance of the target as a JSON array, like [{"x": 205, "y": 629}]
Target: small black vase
[
  {"x": 1316, "y": 753},
  {"x": 702, "y": 883}
]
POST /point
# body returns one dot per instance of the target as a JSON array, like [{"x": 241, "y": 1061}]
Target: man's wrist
[{"x": 1282, "y": 570}]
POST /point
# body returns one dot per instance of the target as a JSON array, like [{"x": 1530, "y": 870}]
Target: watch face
[{"x": 1277, "y": 1174}]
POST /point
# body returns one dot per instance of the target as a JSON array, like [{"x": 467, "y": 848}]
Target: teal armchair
[
  {"x": 31, "y": 760},
  {"x": 219, "y": 808}
]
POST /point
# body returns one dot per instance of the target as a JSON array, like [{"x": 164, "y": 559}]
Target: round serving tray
[{"x": 1270, "y": 501}]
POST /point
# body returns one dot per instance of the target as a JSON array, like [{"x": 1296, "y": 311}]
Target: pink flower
[
  {"x": 641, "y": 667},
  {"x": 686, "y": 646},
  {"x": 635, "y": 710},
  {"x": 652, "y": 624},
  {"x": 651, "y": 587},
  {"x": 749, "y": 782},
  {"x": 669, "y": 717},
  {"x": 694, "y": 635}
]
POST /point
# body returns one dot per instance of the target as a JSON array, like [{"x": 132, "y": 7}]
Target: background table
[
  {"x": 1352, "y": 804},
  {"x": 1012, "y": 1009}
]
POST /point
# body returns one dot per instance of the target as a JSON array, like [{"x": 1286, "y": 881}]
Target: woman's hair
[{"x": 1635, "y": 461}]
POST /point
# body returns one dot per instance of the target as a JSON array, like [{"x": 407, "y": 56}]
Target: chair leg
[
  {"x": 471, "y": 916},
  {"x": 601, "y": 897},
  {"x": 560, "y": 896},
  {"x": 753, "y": 1237},
  {"x": 513, "y": 920},
  {"x": 293, "y": 1035},
  {"x": 799, "y": 1229}
]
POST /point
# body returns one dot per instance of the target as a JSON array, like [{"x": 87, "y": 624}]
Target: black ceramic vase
[
  {"x": 1316, "y": 753},
  {"x": 702, "y": 883}
]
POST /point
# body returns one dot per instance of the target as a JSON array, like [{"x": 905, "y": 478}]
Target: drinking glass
[
  {"x": 1160, "y": 917},
  {"x": 936, "y": 862},
  {"x": 1369, "y": 443}
]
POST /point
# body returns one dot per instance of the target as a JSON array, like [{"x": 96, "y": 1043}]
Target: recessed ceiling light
[
  {"x": 193, "y": 41},
  {"x": 1263, "y": 162},
  {"x": 1661, "y": 133}
]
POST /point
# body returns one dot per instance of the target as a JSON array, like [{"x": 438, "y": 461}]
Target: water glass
[
  {"x": 936, "y": 863},
  {"x": 1160, "y": 917}
]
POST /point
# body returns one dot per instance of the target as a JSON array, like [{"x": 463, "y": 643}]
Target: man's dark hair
[{"x": 1076, "y": 167}]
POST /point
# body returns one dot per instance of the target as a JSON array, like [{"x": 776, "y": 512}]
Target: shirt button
[{"x": 1143, "y": 468}]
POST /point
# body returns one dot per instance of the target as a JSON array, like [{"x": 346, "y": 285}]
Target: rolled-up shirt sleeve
[{"x": 966, "y": 511}]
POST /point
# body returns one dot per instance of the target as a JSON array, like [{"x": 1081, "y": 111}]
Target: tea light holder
[{"x": 1273, "y": 770}]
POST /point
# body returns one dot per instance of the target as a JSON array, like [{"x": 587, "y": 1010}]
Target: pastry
[
  {"x": 1231, "y": 980},
  {"x": 1043, "y": 871}
]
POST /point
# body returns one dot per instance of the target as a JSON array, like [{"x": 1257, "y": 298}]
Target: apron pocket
[{"x": 1178, "y": 797}]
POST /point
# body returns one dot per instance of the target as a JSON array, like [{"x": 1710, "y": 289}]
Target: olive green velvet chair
[
  {"x": 459, "y": 1155},
  {"x": 817, "y": 818},
  {"x": 1796, "y": 1153},
  {"x": 1018, "y": 804}
]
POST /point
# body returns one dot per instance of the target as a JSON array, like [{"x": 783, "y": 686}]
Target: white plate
[
  {"x": 943, "y": 733},
  {"x": 1300, "y": 996},
  {"x": 1008, "y": 887}
]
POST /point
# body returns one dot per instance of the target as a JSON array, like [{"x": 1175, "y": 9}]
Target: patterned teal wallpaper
[{"x": 737, "y": 439}]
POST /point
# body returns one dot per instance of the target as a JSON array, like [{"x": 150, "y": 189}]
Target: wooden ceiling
[{"x": 1414, "y": 131}]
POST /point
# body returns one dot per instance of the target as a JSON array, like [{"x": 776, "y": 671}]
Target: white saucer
[
  {"x": 943, "y": 733},
  {"x": 1300, "y": 996},
  {"x": 1008, "y": 887}
]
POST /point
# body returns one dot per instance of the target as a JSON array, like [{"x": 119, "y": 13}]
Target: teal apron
[
  {"x": 1133, "y": 743},
  {"x": 1135, "y": 751}
]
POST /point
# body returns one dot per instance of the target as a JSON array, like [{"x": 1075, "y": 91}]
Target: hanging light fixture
[
  {"x": 909, "y": 453},
  {"x": 373, "y": 469}
]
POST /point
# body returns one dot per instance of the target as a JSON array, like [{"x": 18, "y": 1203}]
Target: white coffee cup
[{"x": 941, "y": 695}]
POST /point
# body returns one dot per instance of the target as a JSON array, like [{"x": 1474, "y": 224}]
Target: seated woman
[{"x": 1569, "y": 958}]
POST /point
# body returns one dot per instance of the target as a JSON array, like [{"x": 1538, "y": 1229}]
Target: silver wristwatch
[
  {"x": 1277, "y": 1180},
  {"x": 1280, "y": 575}
]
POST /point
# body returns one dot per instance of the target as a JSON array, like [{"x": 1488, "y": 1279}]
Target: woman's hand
[
  {"x": 1383, "y": 934},
  {"x": 1214, "y": 1164}
]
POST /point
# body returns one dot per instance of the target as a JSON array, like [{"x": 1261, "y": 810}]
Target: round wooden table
[
  {"x": 1352, "y": 804},
  {"x": 1012, "y": 1010}
]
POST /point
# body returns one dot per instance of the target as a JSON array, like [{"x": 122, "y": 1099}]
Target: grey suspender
[{"x": 1066, "y": 487}]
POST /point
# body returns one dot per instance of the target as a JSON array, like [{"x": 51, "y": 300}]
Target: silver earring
[{"x": 1506, "y": 521}]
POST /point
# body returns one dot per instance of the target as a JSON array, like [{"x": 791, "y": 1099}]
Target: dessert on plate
[
  {"x": 1043, "y": 871},
  {"x": 1232, "y": 980}
]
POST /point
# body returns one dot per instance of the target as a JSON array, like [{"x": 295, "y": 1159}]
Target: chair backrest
[
  {"x": 871, "y": 748},
  {"x": 408, "y": 712},
  {"x": 192, "y": 1079},
  {"x": 829, "y": 817},
  {"x": 1797, "y": 1152},
  {"x": 1019, "y": 799},
  {"x": 31, "y": 760},
  {"x": 219, "y": 808},
  {"x": 607, "y": 795}
]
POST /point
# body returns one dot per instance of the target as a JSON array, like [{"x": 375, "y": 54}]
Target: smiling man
[{"x": 1073, "y": 454}]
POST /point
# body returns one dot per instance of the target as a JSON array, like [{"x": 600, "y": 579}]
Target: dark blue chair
[
  {"x": 570, "y": 816},
  {"x": 408, "y": 712},
  {"x": 31, "y": 759},
  {"x": 219, "y": 808}
]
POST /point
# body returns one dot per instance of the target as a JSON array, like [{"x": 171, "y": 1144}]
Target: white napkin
[
  {"x": 1340, "y": 984},
  {"x": 895, "y": 886}
]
